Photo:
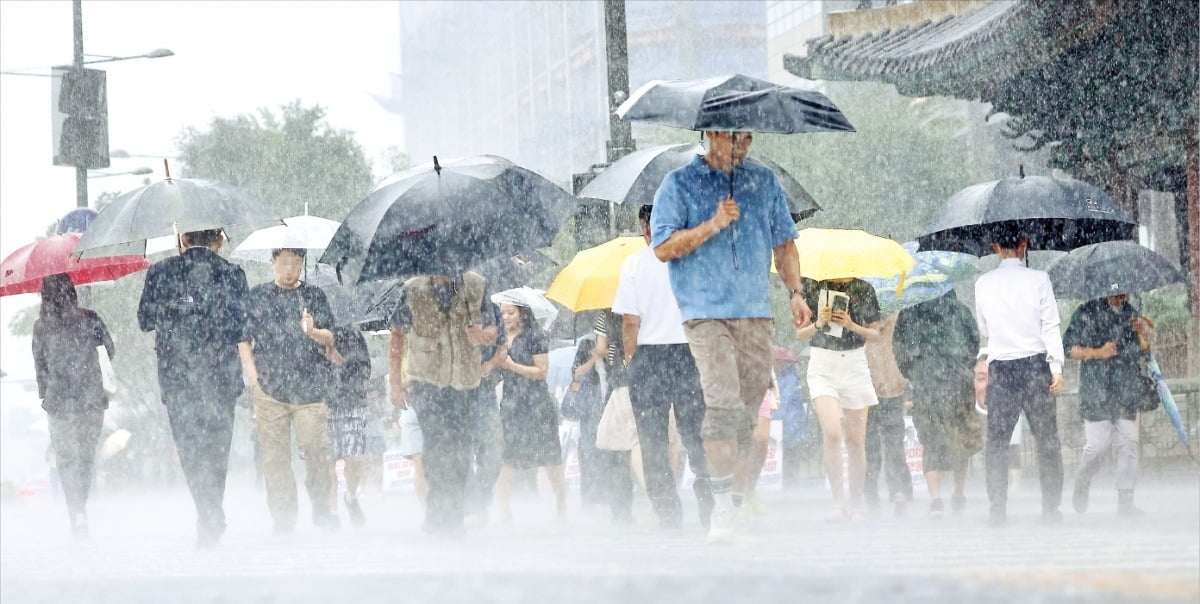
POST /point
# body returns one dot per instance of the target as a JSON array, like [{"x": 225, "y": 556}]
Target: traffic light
[{"x": 79, "y": 111}]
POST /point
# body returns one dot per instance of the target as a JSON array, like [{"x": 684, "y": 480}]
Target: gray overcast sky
[{"x": 230, "y": 58}]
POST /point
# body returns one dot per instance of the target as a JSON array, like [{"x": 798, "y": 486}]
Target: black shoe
[
  {"x": 936, "y": 508},
  {"x": 357, "y": 518},
  {"x": 958, "y": 503},
  {"x": 704, "y": 499},
  {"x": 326, "y": 520},
  {"x": 997, "y": 517},
  {"x": 1079, "y": 499},
  {"x": 1052, "y": 516},
  {"x": 1125, "y": 505}
]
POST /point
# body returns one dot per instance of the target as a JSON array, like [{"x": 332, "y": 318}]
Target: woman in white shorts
[{"x": 839, "y": 383}]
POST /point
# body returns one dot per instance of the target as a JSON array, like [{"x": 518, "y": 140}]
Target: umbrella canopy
[
  {"x": 589, "y": 281},
  {"x": 635, "y": 178},
  {"x": 543, "y": 310},
  {"x": 1111, "y": 268},
  {"x": 1054, "y": 213},
  {"x": 514, "y": 271},
  {"x": 366, "y": 305},
  {"x": 733, "y": 102},
  {"x": 310, "y": 233},
  {"x": 22, "y": 271},
  {"x": 167, "y": 208},
  {"x": 839, "y": 253},
  {"x": 444, "y": 218},
  {"x": 934, "y": 276}
]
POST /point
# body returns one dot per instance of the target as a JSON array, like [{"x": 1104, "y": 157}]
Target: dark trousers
[
  {"x": 447, "y": 418},
  {"x": 662, "y": 378},
  {"x": 75, "y": 436},
  {"x": 489, "y": 444},
  {"x": 1016, "y": 386},
  {"x": 604, "y": 476},
  {"x": 203, "y": 431},
  {"x": 885, "y": 450}
]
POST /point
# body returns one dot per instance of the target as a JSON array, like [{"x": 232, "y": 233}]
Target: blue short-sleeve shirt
[{"x": 727, "y": 276}]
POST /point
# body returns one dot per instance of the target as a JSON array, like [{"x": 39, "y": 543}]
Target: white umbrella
[
  {"x": 543, "y": 309},
  {"x": 310, "y": 233}
]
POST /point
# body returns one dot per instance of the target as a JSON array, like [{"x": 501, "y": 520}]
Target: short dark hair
[
  {"x": 59, "y": 299},
  {"x": 203, "y": 238},
  {"x": 1007, "y": 235},
  {"x": 645, "y": 212},
  {"x": 295, "y": 251}
]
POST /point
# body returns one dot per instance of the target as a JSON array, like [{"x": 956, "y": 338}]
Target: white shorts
[
  {"x": 842, "y": 374},
  {"x": 412, "y": 440}
]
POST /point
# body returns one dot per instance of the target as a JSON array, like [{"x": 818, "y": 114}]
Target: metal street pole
[
  {"x": 81, "y": 188},
  {"x": 616, "y": 48}
]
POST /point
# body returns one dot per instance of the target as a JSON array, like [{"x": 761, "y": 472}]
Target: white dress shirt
[
  {"x": 1017, "y": 313},
  {"x": 645, "y": 290}
]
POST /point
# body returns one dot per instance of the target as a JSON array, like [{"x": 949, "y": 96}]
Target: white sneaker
[{"x": 720, "y": 526}]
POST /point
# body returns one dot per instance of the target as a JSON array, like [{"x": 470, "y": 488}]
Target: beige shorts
[
  {"x": 842, "y": 374},
  {"x": 734, "y": 360}
]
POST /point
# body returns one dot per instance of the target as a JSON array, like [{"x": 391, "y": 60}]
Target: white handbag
[{"x": 617, "y": 430}]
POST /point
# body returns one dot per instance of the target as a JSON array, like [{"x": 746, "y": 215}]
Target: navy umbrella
[
  {"x": 733, "y": 103},
  {"x": 442, "y": 219},
  {"x": 1109, "y": 269},
  {"x": 1054, "y": 213},
  {"x": 633, "y": 179}
]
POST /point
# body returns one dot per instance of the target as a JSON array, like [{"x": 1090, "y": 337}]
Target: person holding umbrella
[
  {"x": 718, "y": 221},
  {"x": 435, "y": 364},
  {"x": 66, "y": 341},
  {"x": 1016, "y": 311},
  {"x": 1106, "y": 335},
  {"x": 195, "y": 305}
]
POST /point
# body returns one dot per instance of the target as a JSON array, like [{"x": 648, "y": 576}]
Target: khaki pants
[
  {"x": 274, "y": 421},
  {"x": 734, "y": 360}
]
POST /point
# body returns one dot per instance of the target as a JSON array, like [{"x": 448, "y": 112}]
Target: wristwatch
[{"x": 794, "y": 291}]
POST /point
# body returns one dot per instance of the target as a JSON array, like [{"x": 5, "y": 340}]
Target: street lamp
[{"x": 142, "y": 171}]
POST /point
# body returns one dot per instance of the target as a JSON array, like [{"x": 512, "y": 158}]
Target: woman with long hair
[
  {"x": 527, "y": 411},
  {"x": 66, "y": 358}
]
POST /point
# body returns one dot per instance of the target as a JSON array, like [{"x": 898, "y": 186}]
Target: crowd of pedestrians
[{"x": 689, "y": 337}]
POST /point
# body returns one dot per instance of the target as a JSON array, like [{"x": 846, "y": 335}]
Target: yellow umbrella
[
  {"x": 589, "y": 281},
  {"x": 841, "y": 253}
]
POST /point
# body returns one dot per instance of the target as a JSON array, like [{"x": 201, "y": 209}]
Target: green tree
[{"x": 288, "y": 161}]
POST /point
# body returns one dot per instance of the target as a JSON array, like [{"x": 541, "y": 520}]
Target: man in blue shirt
[{"x": 718, "y": 221}]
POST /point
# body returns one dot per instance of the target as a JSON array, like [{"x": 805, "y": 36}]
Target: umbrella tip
[
  {"x": 436, "y": 166},
  {"x": 167, "y": 168},
  {"x": 1021, "y": 170}
]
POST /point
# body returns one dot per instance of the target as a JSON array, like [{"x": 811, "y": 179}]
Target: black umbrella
[
  {"x": 733, "y": 102},
  {"x": 514, "y": 271},
  {"x": 633, "y": 179},
  {"x": 1054, "y": 213},
  {"x": 443, "y": 219},
  {"x": 170, "y": 207},
  {"x": 366, "y": 305},
  {"x": 1111, "y": 268}
]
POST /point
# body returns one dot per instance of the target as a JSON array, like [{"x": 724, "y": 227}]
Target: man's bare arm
[
  {"x": 630, "y": 324},
  {"x": 685, "y": 241}
]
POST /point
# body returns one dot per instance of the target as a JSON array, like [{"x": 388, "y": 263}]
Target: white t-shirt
[{"x": 645, "y": 290}]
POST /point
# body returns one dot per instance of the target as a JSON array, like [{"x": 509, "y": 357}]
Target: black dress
[{"x": 527, "y": 411}]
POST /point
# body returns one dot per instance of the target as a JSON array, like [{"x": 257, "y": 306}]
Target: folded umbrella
[
  {"x": 445, "y": 218},
  {"x": 733, "y": 102},
  {"x": 22, "y": 271},
  {"x": 635, "y": 178},
  {"x": 1111, "y": 268},
  {"x": 1168, "y": 403},
  {"x": 589, "y": 281},
  {"x": 168, "y": 208},
  {"x": 1054, "y": 213}
]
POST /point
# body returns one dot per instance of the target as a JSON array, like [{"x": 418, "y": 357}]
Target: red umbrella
[{"x": 22, "y": 271}]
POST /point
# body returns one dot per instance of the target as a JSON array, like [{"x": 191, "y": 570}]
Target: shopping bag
[{"x": 617, "y": 430}]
